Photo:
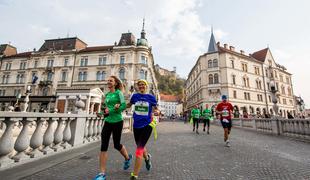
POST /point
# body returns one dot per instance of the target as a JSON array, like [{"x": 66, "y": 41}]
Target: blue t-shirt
[{"x": 143, "y": 109}]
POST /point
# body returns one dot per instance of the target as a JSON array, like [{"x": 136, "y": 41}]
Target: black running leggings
[
  {"x": 195, "y": 122},
  {"x": 107, "y": 130},
  {"x": 206, "y": 122},
  {"x": 142, "y": 135}
]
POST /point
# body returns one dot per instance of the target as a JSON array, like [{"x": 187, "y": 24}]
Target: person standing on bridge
[
  {"x": 225, "y": 109},
  {"x": 115, "y": 104},
  {"x": 143, "y": 124},
  {"x": 207, "y": 115},
  {"x": 195, "y": 115}
]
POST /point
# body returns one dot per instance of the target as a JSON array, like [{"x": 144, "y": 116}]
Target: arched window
[
  {"x": 216, "y": 78},
  {"x": 22, "y": 78},
  {"x": 210, "y": 64},
  {"x": 215, "y": 63},
  {"x": 121, "y": 74},
  {"x": 17, "y": 78},
  {"x": 210, "y": 79},
  {"x": 141, "y": 76}
]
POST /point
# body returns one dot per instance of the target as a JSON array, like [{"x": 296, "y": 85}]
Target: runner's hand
[{"x": 116, "y": 107}]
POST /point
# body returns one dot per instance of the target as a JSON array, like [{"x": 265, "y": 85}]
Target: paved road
[{"x": 181, "y": 154}]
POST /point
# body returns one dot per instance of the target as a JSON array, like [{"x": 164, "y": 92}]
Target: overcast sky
[{"x": 178, "y": 30}]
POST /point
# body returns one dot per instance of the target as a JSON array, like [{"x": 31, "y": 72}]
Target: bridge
[{"x": 66, "y": 146}]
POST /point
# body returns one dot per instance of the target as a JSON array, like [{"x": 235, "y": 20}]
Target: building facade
[
  {"x": 69, "y": 63},
  {"x": 168, "y": 105},
  {"x": 245, "y": 79}
]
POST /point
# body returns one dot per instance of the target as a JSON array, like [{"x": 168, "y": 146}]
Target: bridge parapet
[
  {"x": 26, "y": 136},
  {"x": 299, "y": 128}
]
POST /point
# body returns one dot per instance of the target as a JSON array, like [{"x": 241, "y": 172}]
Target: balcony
[{"x": 45, "y": 83}]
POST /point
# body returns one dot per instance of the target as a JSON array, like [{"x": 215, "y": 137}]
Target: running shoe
[
  {"x": 197, "y": 131},
  {"x": 148, "y": 163},
  {"x": 204, "y": 129},
  {"x": 127, "y": 162},
  {"x": 133, "y": 177},
  {"x": 227, "y": 144},
  {"x": 100, "y": 176}
]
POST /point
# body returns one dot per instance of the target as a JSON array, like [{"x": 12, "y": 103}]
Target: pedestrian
[
  {"x": 207, "y": 116},
  {"x": 225, "y": 109},
  {"x": 195, "y": 115},
  {"x": 144, "y": 104},
  {"x": 115, "y": 104}
]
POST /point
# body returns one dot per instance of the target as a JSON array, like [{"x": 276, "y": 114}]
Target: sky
[{"x": 177, "y": 30}]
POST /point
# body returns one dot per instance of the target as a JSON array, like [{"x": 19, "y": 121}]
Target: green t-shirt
[
  {"x": 111, "y": 99},
  {"x": 206, "y": 113},
  {"x": 195, "y": 113}
]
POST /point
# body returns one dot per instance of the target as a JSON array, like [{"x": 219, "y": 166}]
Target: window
[
  {"x": 49, "y": 76},
  {"x": 143, "y": 59},
  {"x": 244, "y": 67},
  {"x": 210, "y": 79},
  {"x": 35, "y": 64},
  {"x": 16, "y": 92},
  {"x": 122, "y": 60},
  {"x": 141, "y": 74},
  {"x": 232, "y": 63},
  {"x": 22, "y": 65},
  {"x": 287, "y": 80},
  {"x": 210, "y": 64},
  {"x": 8, "y": 66},
  {"x": 283, "y": 90},
  {"x": 82, "y": 76},
  {"x": 84, "y": 61},
  {"x": 50, "y": 63},
  {"x": 235, "y": 94},
  {"x": 216, "y": 78},
  {"x": 234, "y": 79},
  {"x": 64, "y": 76},
  {"x": 215, "y": 63},
  {"x": 122, "y": 74},
  {"x": 247, "y": 96},
  {"x": 269, "y": 97},
  {"x": 5, "y": 79},
  {"x": 66, "y": 61},
  {"x": 102, "y": 60},
  {"x": 289, "y": 91},
  {"x": 284, "y": 101},
  {"x": 259, "y": 97},
  {"x": 100, "y": 76},
  {"x": 256, "y": 70},
  {"x": 20, "y": 78},
  {"x": 2, "y": 92}
]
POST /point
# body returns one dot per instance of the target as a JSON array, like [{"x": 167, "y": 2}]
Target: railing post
[
  {"x": 90, "y": 129},
  {"x": 275, "y": 126},
  {"x": 58, "y": 136},
  {"x": 48, "y": 137},
  {"x": 78, "y": 128},
  {"x": 254, "y": 123},
  {"x": 37, "y": 139},
  {"x": 67, "y": 134},
  {"x": 22, "y": 142},
  {"x": 6, "y": 142}
]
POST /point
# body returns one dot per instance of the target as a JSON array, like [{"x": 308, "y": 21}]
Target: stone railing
[
  {"x": 299, "y": 128},
  {"x": 27, "y": 136}
]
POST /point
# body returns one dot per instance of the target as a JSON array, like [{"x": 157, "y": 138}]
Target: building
[
  {"x": 65, "y": 64},
  {"x": 168, "y": 104},
  {"x": 245, "y": 79},
  {"x": 166, "y": 72}
]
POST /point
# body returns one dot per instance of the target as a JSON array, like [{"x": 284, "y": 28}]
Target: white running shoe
[{"x": 227, "y": 144}]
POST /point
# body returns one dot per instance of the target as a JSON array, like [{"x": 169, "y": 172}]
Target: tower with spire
[
  {"x": 142, "y": 41},
  {"x": 212, "y": 44}
]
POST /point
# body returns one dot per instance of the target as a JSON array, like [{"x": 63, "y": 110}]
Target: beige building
[
  {"x": 68, "y": 63},
  {"x": 245, "y": 79}
]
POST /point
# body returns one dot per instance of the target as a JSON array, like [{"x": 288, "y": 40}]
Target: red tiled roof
[
  {"x": 260, "y": 55},
  {"x": 97, "y": 48},
  {"x": 169, "y": 98}
]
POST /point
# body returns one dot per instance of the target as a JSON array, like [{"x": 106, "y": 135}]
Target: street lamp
[{"x": 274, "y": 97}]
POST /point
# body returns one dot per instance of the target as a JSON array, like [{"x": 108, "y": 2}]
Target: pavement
[{"x": 181, "y": 154}]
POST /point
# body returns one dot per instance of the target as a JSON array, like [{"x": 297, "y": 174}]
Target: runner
[
  {"x": 224, "y": 109},
  {"x": 142, "y": 126},
  {"x": 196, "y": 116},
  {"x": 207, "y": 115},
  {"x": 115, "y": 104}
]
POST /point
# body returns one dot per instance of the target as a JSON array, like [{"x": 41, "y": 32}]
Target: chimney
[
  {"x": 232, "y": 48},
  {"x": 225, "y": 46},
  {"x": 241, "y": 51}
]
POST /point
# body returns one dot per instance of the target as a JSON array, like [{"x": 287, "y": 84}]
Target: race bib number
[
  {"x": 142, "y": 108},
  {"x": 225, "y": 113},
  {"x": 225, "y": 120},
  {"x": 196, "y": 115}
]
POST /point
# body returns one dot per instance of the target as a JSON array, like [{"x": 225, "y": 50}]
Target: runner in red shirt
[{"x": 225, "y": 109}]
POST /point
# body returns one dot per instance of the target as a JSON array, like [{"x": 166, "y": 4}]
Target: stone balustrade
[
  {"x": 27, "y": 136},
  {"x": 299, "y": 128}
]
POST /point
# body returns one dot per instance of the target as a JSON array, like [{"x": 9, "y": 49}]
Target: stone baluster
[
  {"x": 86, "y": 130},
  {"x": 99, "y": 127},
  {"x": 95, "y": 129},
  {"x": 6, "y": 142},
  {"x": 67, "y": 135},
  {"x": 90, "y": 129},
  {"x": 36, "y": 140},
  {"x": 48, "y": 137},
  {"x": 22, "y": 142},
  {"x": 58, "y": 136}
]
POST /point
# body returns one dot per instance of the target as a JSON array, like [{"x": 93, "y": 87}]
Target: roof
[
  {"x": 97, "y": 48},
  {"x": 63, "y": 44},
  {"x": 169, "y": 98},
  {"x": 127, "y": 39},
  {"x": 212, "y": 44},
  {"x": 260, "y": 55},
  {"x": 20, "y": 55}
]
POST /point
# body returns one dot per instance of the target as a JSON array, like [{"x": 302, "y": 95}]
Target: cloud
[{"x": 40, "y": 29}]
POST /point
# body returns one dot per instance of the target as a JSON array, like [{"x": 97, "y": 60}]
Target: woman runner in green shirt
[
  {"x": 207, "y": 115},
  {"x": 115, "y": 104}
]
